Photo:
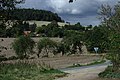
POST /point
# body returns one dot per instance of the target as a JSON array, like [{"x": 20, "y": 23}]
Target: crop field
[
  {"x": 57, "y": 61},
  {"x": 28, "y": 71},
  {"x": 40, "y": 23},
  {"x": 7, "y": 42},
  {"x": 62, "y": 62}
]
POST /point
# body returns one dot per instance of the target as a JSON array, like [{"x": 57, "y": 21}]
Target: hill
[{"x": 34, "y": 14}]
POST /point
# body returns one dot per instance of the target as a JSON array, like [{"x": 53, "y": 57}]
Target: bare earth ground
[
  {"x": 63, "y": 62},
  {"x": 56, "y": 62}
]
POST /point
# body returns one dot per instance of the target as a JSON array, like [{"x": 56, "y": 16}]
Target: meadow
[{"x": 28, "y": 71}]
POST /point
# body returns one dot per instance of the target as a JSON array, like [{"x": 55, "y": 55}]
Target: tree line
[
  {"x": 32, "y": 14},
  {"x": 25, "y": 46},
  {"x": 93, "y": 36}
]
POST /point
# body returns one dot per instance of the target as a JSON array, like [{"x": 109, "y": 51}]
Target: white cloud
[
  {"x": 75, "y": 11},
  {"x": 62, "y": 6},
  {"x": 57, "y": 5}
]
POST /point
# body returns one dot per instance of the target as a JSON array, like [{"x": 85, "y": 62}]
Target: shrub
[
  {"x": 109, "y": 73},
  {"x": 23, "y": 46},
  {"x": 45, "y": 43}
]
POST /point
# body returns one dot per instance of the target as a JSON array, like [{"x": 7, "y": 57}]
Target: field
[
  {"x": 7, "y": 42},
  {"x": 28, "y": 71},
  {"x": 40, "y": 23},
  {"x": 62, "y": 62},
  {"x": 44, "y": 69},
  {"x": 56, "y": 62}
]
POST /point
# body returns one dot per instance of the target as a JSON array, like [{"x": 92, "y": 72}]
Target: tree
[
  {"x": 23, "y": 46},
  {"x": 17, "y": 29},
  {"x": 6, "y": 6},
  {"x": 51, "y": 30},
  {"x": 5, "y": 9},
  {"x": 97, "y": 37},
  {"x": 114, "y": 54},
  {"x": 2, "y": 30},
  {"x": 63, "y": 48},
  {"x": 77, "y": 27},
  {"x": 45, "y": 44},
  {"x": 110, "y": 17},
  {"x": 33, "y": 14},
  {"x": 74, "y": 40}
]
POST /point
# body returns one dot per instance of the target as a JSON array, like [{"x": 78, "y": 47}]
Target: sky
[{"x": 83, "y": 11}]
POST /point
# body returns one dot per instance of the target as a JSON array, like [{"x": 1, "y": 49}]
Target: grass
[
  {"x": 93, "y": 63},
  {"x": 40, "y": 23},
  {"x": 110, "y": 73},
  {"x": 26, "y": 71}
]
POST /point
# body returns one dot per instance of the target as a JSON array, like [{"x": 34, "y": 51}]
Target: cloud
[
  {"x": 84, "y": 11},
  {"x": 57, "y": 5},
  {"x": 75, "y": 11}
]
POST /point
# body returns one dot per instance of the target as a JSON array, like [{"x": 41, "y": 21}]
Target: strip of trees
[
  {"x": 110, "y": 18},
  {"x": 24, "y": 46},
  {"x": 33, "y": 14}
]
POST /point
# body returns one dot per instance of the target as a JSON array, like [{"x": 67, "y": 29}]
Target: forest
[{"x": 32, "y": 14}]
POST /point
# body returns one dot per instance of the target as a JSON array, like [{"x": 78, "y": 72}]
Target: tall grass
[{"x": 27, "y": 71}]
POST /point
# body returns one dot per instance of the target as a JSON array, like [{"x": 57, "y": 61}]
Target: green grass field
[{"x": 25, "y": 71}]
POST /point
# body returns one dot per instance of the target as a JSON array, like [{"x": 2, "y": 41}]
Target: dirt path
[{"x": 84, "y": 73}]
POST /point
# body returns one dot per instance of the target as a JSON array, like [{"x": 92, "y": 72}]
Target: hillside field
[
  {"x": 57, "y": 61},
  {"x": 40, "y": 23}
]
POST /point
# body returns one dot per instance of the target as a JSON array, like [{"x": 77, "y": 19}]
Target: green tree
[
  {"x": 74, "y": 39},
  {"x": 6, "y": 6},
  {"x": 2, "y": 30},
  {"x": 51, "y": 30},
  {"x": 23, "y": 46},
  {"x": 97, "y": 37},
  {"x": 114, "y": 52},
  {"x": 110, "y": 17},
  {"x": 63, "y": 48},
  {"x": 45, "y": 44},
  {"x": 17, "y": 29},
  {"x": 32, "y": 14},
  {"x": 77, "y": 27}
]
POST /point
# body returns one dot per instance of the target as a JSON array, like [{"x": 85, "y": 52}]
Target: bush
[
  {"x": 109, "y": 73},
  {"x": 46, "y": 44},
  {"x": 23, "y": 46}
]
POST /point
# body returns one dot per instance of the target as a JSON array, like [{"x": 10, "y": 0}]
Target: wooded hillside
[{"x": 34, "y": 14}]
